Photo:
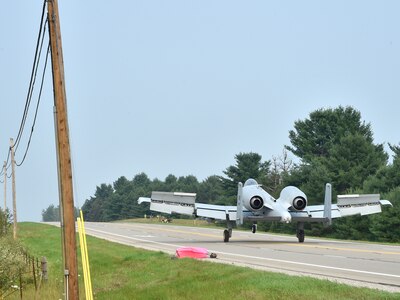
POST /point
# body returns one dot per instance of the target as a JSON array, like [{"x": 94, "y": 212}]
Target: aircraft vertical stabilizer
[{"x": 239, "y": 212}]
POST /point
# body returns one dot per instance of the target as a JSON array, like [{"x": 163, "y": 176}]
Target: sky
[{"x": 180, "y": 87}]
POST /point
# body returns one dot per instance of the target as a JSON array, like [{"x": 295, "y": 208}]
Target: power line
[
  {"x": 8, "y": 158},
  {"x": 35, "y": 66},
  {"x": 37, "y": 106}
]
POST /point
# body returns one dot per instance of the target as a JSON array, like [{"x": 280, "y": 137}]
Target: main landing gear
[
  {"x": 228, "y": 231},
  {"x": 300, "y": 232},
  {"x": 227, "y": 234}
]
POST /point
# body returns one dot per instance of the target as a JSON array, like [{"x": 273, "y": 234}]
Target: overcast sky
[{"x": 180, "y": 87}]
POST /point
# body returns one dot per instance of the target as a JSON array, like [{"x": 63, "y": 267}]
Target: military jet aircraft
[{"x": 255, "y": 204}]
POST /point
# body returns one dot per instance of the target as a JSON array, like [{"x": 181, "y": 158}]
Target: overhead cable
[
  {"x": 37, "y": 107},
  {"x": 39, "y": 44}
]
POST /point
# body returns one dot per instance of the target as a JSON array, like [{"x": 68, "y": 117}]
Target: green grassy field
[{"x": 122, "y": 272}]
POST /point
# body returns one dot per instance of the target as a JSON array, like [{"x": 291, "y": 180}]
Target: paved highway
[{"x": 361, "y": 264}]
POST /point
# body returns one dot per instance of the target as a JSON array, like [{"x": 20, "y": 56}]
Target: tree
[
  {"x": 314, "y": 137},
  {"x": 211, "y": 191},
  {"x": 386, "y": 226},
  {"x": 336, "y": 145},
  {"x": 248, "y": 165},
  {"x": 170, "y": 183},
  {"x": 187, "y": 184},
  {"x": 280, "y": 167},
  {"x": 387, "y": 178},
  {"x": 94, "y": 208},
  {"x": 114, "y": 204},
  {"x": 52, "y": 213},
  {"x": 353, "y": 160}
]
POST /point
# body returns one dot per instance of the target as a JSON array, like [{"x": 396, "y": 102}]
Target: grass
[{"x": 123, "y": 272}]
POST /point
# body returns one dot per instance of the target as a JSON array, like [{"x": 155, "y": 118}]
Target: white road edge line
[{"x": 253, "y": 257}]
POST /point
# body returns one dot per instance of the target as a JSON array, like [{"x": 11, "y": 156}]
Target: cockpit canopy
[{"x": 250, "y": 181}]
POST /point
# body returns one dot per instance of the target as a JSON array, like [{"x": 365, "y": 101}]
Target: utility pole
[
  {"x": 14, "y": 193},
  {"x": 64, "y": 154},
  {"x": 5, "y": 195},
  {"x": 5, "y": 185}
]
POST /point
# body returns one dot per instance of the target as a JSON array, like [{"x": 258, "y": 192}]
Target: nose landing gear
[{"x": 254, "y": 228}]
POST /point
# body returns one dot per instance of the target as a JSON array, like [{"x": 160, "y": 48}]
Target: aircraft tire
[
  {"x": 226, "y": 235},
  {"x": 300, "y": 236}
]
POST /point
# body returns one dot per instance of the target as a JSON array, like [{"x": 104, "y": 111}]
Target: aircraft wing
[
  {"x": 219, "y": 212},
  {"x": 347, "y": 205}
]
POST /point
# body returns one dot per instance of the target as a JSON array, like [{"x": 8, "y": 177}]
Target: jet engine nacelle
[
  {"x": 293, "y": 198},
  {"x": 254, "y": 203}
]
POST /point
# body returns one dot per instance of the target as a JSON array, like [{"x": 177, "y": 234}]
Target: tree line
[{"x": 332, "y": 145}]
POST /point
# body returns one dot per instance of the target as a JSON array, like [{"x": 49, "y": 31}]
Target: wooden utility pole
[
  {"x": 14, "y": 193},
  {"x": 5, "y": 185},
  {"x": 64, "y": 153},
  {"x": 5, "y": 195}
]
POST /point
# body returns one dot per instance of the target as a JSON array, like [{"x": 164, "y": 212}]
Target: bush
[
  {"x": 5, "y": 222},
  {"x": 12, "y": 262}
]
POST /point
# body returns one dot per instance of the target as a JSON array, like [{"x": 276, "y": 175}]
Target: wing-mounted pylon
[{"x": 328, "y": 205}]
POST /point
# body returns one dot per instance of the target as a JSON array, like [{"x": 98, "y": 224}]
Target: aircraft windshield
[{"x": 250, "y": 181}]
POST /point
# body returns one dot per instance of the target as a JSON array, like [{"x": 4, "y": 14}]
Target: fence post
[
  {"x": 34, "y": 272},
  {"x": 37, "y": 267},
  {"x": 44, "y": 268},
  {"x": 20, "y": 285}
]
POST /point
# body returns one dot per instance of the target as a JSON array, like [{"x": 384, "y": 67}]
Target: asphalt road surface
[{"x": 360, "y": 264}]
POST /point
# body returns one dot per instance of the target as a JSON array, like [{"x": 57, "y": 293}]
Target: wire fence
[{"x": 33, "y": 272}]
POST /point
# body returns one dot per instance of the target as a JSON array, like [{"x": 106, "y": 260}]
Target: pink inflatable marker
[{"x": 193, "y": 252}]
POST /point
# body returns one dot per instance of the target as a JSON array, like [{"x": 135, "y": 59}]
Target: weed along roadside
[
  {"x": 123, "y": 272},
  {"x": 20, "y": 271}
]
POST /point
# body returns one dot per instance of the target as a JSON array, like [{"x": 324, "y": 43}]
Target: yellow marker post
[
  {"x": 82, "y": 255},
  {"x": 85, "y": 258}
]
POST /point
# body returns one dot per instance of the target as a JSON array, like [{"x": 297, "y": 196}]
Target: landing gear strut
[{"x": 300, "y": 232}]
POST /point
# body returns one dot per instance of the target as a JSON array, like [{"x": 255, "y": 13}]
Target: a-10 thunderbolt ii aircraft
[{"x": 255, "y": 204}]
